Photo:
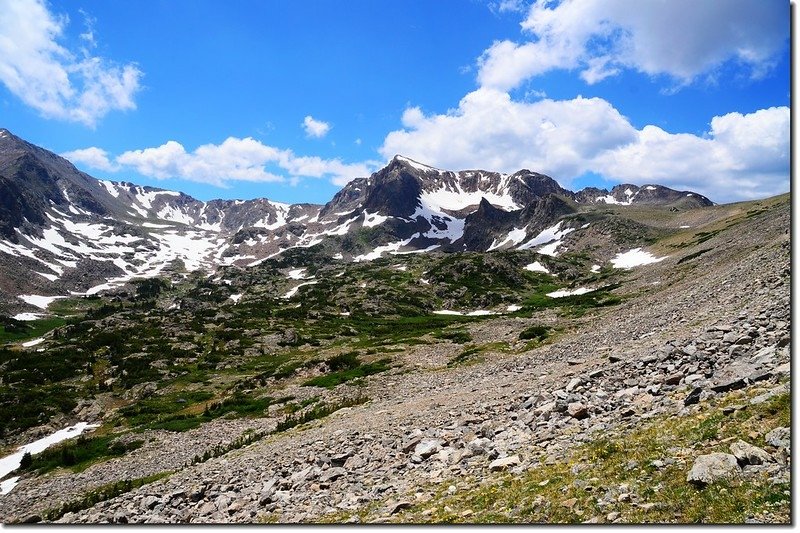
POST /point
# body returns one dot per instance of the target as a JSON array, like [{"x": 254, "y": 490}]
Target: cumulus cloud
[
  {"x": 741, "y": 157},
  {"x": 93, "y": 157},
  {"x": 315, "y": 128},
  {"x": 682, "y": 39},
  {"x": 490, "y": 130},
  {"x": 57, "y": 82},
  {"x": 217, "y": 164}
]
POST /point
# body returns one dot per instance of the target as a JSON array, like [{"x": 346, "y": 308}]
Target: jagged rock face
[
  {"x": 627, "y": 194},
  {"x": 77, "y": 234}
]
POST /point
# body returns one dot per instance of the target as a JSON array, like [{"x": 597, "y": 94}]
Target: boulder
[
  {"x": 577, "y": 410},
  {"x": 427, "y": 447},
  {"x": 504, "y": 463},
  {"x": 332, "y": 474},
  {"x": 779, "y": 437},
  {"x": 708, "y": 469},
  {"x": 747, "y": 454},
  {"x": 479, "y": 446}
]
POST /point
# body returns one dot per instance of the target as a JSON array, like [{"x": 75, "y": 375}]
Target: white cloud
[
  {"x": 489, "y": 130},
  {"x": 507, "y": 6},
  {"x": 217, "y": 164},
  {"x": 679, "y": 38},
  {"x": 55, "y": 81},
  {"x": 93, "y": 157},
  {"x": 741, "y": 157},
  {"x": 315, "y": 128}
]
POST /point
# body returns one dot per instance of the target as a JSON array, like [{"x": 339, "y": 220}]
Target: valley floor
[{"x": 600, "y": 424}]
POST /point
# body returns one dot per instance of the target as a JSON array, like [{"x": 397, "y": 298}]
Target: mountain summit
[{"x": 65, "y": 232}]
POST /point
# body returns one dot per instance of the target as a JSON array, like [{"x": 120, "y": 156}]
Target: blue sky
[{"x": 289, "y": 100}]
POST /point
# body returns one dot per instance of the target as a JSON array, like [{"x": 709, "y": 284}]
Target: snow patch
[
  {"x": 39, "y": 301},
  {"x": 595, "y": 269},
  {"x": 26, "y": 317},
  {"x": 536, "y": 266},
  {"x": 515, "y": 236},
  {"x": 391, "y": 248},
  {"x": 51, "y": 277},
  {"x": 373, "y": 219},
  {"x": 634, "y": 258},
  {"x": 235, "y": 298},
  {"x": 513, "y": 307},
  {"x": 418, "y": 166},
  {"x": 564, "y": 292},
  {"x": 478, "y": 312},
  {"x": 294, "y": 290},
  {"x": 611, "y": 200},
  {"x": 550, "y": 249},
  {"x": 34, "y": 342},
  {"x": 297, "y": 273},
  {"x": 110, "y": 187},
  {"x": 547, "y": 235},
  {"x": 11, "y": 462},
  {"x": 455, "y": 199}
]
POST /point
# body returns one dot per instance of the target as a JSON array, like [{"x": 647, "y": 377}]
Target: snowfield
[
  {"x": 11, "y": 462},
  {"x": 564, "y": 292},
  {"x": 634, "y": 258}
]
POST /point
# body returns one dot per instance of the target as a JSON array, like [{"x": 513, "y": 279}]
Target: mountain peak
[{"x": 401, "y": 159}]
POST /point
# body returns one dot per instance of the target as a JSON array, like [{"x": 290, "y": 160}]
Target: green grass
[
  {"x": 693, "y": 255},
  {"x": 468, "y": 356},
  {"x": 537, "y": 333},
  {"x": 180, "y": 411},
  {"x": 575, "y": 305},
  {"x": 19, "y": 331},
  {"x": 337, "y": 378},
  {"x": 317, "y": 412},
  {"x": 159, "y": 411},
  {"x": 458, "y": 336},
  {"x": 79, "y": 453}
]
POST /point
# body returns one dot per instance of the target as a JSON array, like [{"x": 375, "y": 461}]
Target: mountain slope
[
  {"x": 308, "y": 388},
  {"x": 63, "y": 232}
]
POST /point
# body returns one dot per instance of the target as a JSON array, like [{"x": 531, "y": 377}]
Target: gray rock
[
  {"x": 775, "y": 391},
  {"x": 332, "y": 473},
  {"x": 577, "y": 410},
  {"x": 693, "y": 397},
  {"x": 713, "y": 467},
  {"x": 150, "y": 502},
  {"x": 545, "y": 409},
  {"x": 427, "y": 447},
  {"x": 504, "y": 463},
  {"x": 780, "y": 437},
  {"x": 479, "y": 446},
  {"x": 206, "y": 509},
  {"x": 747, "y": 454},
  {"x": 732, "y": 377},
  {"x": 573, "y": 384},
  {"x": 396, "y": 507}
]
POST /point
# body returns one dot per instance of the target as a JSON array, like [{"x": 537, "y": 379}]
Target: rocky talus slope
[{"x": 686, "y": 338}]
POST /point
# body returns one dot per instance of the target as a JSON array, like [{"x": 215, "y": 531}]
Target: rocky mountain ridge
[{"x": 79, "y": 235}]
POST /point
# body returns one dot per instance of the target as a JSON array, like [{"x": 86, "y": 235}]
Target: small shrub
[{"x": 538, "y": 333}]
